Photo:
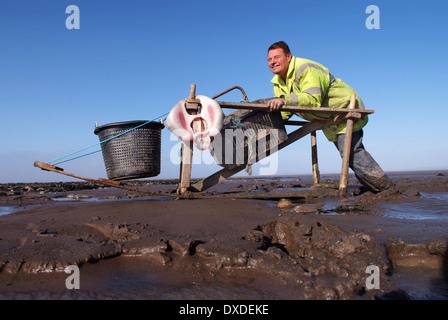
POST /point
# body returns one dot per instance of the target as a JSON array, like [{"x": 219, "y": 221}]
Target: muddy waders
[{"x": 366, "y": 169}]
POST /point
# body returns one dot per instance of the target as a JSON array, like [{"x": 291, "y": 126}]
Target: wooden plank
[
  {"x": 109, "y": 181},
  {"x": 106, "y": 182},
  {"x": 295, "y": 109},
  {"x": 347, "y": 147},
  {"x": 217, "y": 177},
  {"x": 295, "y": 123},
  {"x": 303, "y": 131},
  {"x": 49, "y": 167}
]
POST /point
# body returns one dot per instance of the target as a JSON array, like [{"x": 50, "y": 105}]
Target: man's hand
[{"x": 276, "y": 104}]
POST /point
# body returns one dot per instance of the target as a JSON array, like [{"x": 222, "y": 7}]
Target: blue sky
[{"x": 134, "y": 60}]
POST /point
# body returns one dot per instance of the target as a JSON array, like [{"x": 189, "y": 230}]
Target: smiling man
[{"x": 302, "y": 82}]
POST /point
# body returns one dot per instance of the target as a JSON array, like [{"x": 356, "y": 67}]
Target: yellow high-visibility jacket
[{"x": 310, "y": 84}]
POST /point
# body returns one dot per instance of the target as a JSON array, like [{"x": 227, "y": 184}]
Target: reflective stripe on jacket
[{"x": 310, "y": 84}]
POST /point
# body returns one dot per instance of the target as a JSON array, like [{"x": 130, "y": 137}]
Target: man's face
[{"x": 278, "y": 61}]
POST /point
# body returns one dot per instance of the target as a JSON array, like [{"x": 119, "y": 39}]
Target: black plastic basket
[{"x": 135, "y": 154}]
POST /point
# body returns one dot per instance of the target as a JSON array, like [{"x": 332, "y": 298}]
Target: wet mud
[{"x": 266, "y": 238}]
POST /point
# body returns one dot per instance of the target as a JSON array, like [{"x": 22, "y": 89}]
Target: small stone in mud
[
  {"x": 284, "y": 203},
  {"x": 303, "y": 208}
]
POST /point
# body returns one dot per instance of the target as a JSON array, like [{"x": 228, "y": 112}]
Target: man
[{"x": 302, "y": 82}]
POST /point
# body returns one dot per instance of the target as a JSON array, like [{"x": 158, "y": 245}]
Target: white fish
[{"x": 197, "y": 127}]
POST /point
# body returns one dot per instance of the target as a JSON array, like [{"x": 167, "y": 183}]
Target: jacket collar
[{"x": 278, "y": 80}]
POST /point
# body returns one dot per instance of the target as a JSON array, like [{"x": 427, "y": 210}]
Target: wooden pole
[
  {"x": 192, "y": 91},
  {"x": 185, "y": 166},
  {"x": 347, "y": 149},
  {"x": 106, "y": 182},
  {"x": 186, "y": 155},
  {"x": 316, "y": 174}
]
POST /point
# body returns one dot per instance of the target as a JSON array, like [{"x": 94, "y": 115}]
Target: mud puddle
[
  {"x": 422, "y": 283},
  {"x": 427, "y": 206}
]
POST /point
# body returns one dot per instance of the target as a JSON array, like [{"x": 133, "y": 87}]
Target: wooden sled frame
[{"x": 338, "y": 116}]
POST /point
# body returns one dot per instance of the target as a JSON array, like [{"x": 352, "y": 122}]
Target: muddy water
[
  {"x": 428, "y": 206},
  {"x": 422, "y": 283},
  {"x": 119, "y": 281},
  {"x": 122, "y": 279}
]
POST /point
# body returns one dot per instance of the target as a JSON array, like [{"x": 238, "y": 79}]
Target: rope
[
  {"x": 236, "y": 124},
  {"x": 53, "y": 162},
  {"x": 83, "y": 155}
]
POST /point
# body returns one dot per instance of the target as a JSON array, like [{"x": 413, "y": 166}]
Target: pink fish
[{"x": 197, "y": 127}]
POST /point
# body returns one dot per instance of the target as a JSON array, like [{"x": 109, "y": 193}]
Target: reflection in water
[
  {"x": 430, "y": 205},
  {"x": 9, "y": 209},
  {"x": 422, "y": 283}
]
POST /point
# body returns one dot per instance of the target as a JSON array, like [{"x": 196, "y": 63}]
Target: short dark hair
[{"x": 282, "y": 45}]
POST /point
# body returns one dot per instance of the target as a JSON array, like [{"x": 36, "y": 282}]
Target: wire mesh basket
[
  {"x": 246, "y": 137},
  {"x": 134, "y": 154}
]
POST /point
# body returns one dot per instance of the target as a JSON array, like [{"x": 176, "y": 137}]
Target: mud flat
[{"x": 255, "y": 238}]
